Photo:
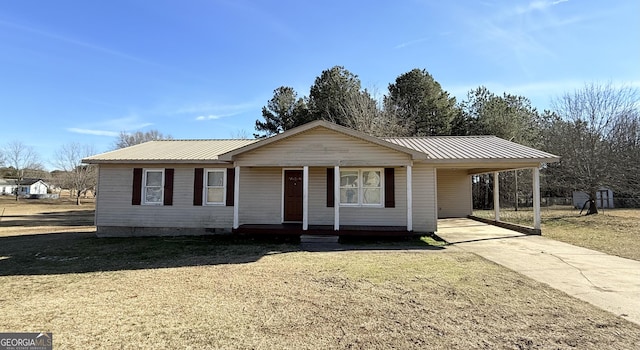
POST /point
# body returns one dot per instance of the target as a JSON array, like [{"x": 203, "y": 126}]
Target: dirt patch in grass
[
  {"x": 612, "y": 231},
  {"x": 236, "y": 293}
]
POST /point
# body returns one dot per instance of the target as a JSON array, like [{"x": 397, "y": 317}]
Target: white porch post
[
  {"x": 336, "y": 198},
  {"x": 236, "y": 198},
  {"x": 409, "y": 198},
  {"x": 496, "y": 195},
  {"x": 305, "y": 198},
  {"x": 536, "y": 198}
]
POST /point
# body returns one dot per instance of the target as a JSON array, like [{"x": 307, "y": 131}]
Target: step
[{"x": 318, "y": 239}]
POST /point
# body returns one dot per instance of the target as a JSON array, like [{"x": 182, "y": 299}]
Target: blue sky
[{"x": 82, "y": 71}]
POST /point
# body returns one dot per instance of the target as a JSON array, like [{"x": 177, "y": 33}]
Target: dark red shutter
[
  {"x": 331, "y": 187},
  {"x": 198, "y": 183},
  {"x": 168, "y": 186},
  {"x": 231, "y": 185},
  {"x": 136, "y": 194},
  {"x": 389, "y": 188}
]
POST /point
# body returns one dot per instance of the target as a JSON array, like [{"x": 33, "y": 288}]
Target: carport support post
[
  {"x": 496, "y": 195},
  {"x": 536, "y": 199},
  {"x": 409, "y": 199},
  {"x": 305, "y": 198},
  {"x": 236, "y": 198},
  {"x": 336, "y": 198}
]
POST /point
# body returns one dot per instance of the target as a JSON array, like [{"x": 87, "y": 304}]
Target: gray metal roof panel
[
  {"x": 470, "y": 148},
  {"x": 170, "y": 150}
]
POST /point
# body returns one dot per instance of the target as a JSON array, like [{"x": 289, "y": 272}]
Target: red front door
[{"x": 293, "y": 195}]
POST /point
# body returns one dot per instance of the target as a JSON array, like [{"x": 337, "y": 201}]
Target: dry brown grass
[
  {"x": 225, "y": 292},
  {"x": 612, "y": 231},
  {"x": 44, "y": 215}
]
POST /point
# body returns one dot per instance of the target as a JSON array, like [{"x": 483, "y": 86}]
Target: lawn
[
  {"x": 612, "y": 231},
  {"x": 236, "y": 293}
]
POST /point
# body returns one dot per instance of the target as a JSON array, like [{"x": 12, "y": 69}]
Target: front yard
[{"x": 226, "y": 292}]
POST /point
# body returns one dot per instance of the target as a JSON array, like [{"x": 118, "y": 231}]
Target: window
[
  {"x": 361, "y": 187},
  {"x": 215, "y": 186},
  {"x": 152, "y": 187}
]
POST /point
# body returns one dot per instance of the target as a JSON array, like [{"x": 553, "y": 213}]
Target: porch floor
[{"x": 345, "y": 230}]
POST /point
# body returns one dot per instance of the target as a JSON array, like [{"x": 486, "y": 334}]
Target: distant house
[
  {"x": 318, "y": 178},
  {"x": 26, "y": 187},
  {"x": 604, "y": 198},
  {"x": 7, "y": 186}
]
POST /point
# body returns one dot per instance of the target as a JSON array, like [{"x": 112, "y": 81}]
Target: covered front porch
[
  {"x": 323, "y": 200},
  {"x": 325, "y": 179}
]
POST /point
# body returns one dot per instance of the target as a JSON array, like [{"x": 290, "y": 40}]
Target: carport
[
  {"x": 457, "y": 158},
  {"x": 460, "y": 158}
]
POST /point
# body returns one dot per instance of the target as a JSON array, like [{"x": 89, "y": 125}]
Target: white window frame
[
  {"x": 144, "y": 187},
  {"x": 360, "y": 188},
  {"x": 205, "y": 186}
]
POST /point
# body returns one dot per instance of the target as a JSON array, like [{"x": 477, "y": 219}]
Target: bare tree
[
  {"x": 80, "y": 177},
  {"x": 126, "y": 139},
  {"x": 363, "y": 113},
  {"x": 22, "y": 159},
  {"x": 240, "y": 134},
  {"x": 593, "y": 132}
]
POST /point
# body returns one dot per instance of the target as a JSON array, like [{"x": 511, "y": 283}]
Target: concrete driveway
[{"x": 609, "y": 282}]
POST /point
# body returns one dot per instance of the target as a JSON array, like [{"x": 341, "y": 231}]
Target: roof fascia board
[
  {"x": 156, "y": 161},
  {"x": 465, "y": 163}
]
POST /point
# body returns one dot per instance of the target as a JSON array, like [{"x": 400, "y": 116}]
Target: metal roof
[
  {"x": 464, "y": 149},
  {"x": 170, "y": 150},
  {"x": 471, "y": 148}
]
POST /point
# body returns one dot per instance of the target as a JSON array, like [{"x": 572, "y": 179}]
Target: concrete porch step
[{"x": 318, "y": 239}]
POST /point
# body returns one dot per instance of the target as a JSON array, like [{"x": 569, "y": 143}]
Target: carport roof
[{"x": 472, "y": 148}]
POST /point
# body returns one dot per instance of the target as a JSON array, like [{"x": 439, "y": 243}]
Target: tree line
[{"x": 595, "y": 129}]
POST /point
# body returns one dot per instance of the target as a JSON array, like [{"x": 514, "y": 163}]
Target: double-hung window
[
  {"x": 361, "y": 187},
  {"x": 153, "y": 186},
  {"x": 215, "y": 191}
]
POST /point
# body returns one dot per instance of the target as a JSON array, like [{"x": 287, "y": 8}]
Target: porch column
[
  {"x": 236, "y": 198},
  {"x": 409, "y": 198},
  {"x": 305, "y": 198},
  {"x": 536, "y": 198},
  {"x": 496, "y": 195},
  {"x": 336, "y": 198}
]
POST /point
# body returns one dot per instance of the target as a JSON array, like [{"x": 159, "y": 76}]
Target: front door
[{"x": 293, "y": 195}]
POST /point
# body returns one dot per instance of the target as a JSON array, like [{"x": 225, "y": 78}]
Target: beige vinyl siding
[
  {"x": 454, "y": 193},
  {"x": 319, "y": 213},
  {"x": 424, "y": 199},
  {"x": 115, "y": 209},
  {"x": 260, "y": 196},
  {"x": 323, "y": 147},
  {"x": 261, "y": 200}
]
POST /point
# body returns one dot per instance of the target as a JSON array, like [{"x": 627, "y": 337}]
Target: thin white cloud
[
  {"x": 209, "y": 117},
  {"x": 213, "y": 108},
  {"x": 94, "y": 132},
  {"x": 538, "y": 5},
  {"x": 411, "y": 43},
  {"x": 111, "y": 127},
  {"x": 130, "y": 122},
  {"x": 73, "y": 41}
]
